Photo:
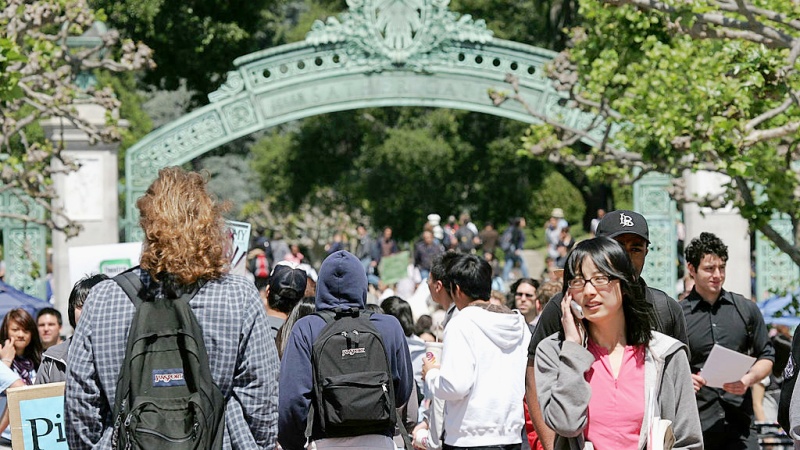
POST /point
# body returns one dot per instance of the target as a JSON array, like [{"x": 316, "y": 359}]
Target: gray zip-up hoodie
[
  {"x": 54, "y": 364},
  {"x": 564, "y": 392}
]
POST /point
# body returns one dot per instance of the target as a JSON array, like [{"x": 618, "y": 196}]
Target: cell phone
[{"x": 576, "y": 309}]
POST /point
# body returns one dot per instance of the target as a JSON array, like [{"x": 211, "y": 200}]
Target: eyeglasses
[
  {"x": 579, "y": 283},
  {"x": 524, "y": 294}
]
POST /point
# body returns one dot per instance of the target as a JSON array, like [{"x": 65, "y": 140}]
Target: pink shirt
[{"x": 616, "y": 408}]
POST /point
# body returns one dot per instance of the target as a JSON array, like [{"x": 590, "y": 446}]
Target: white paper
[{"x": 725, "y": 366}]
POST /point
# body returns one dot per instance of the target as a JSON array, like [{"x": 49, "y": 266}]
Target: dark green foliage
[{"x": 195, "y": 40}]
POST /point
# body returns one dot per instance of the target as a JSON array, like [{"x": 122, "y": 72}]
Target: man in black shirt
[
  {"x": 716, "y": 316},
  {"x": 630, "y": 229}
]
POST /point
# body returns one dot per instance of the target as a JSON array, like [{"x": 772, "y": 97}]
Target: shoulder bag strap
[{"x": 131, "y": 284}]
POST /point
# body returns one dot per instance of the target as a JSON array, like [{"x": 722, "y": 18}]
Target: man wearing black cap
[
  {"x": 630, "y": 229},
  {"x": 286, "y": 287}
]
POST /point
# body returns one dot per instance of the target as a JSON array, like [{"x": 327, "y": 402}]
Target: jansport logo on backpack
[
  {"x": 166, "y": 398},
  {"x": 354, "y": 393}
]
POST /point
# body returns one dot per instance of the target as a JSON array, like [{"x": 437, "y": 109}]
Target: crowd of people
[
  {"x": 503, "y": 251},
  {"x": 588, "y": 356}
]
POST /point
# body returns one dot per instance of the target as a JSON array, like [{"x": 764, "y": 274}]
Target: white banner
[{"x": 110, "y": 259}]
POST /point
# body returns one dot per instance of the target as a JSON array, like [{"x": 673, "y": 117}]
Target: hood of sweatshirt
[
  {"x": 663, "y": 346},
  {"x": 342, "y": 282},
  {"x": 506, "y": 330}
]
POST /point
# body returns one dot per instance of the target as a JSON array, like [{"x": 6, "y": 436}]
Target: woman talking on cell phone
[{"x": 605, "y": 378}]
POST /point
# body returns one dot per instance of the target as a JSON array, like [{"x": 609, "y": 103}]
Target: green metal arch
[
  {"x": 429, "y": 57},
  {"x": 444, "y": 61}
]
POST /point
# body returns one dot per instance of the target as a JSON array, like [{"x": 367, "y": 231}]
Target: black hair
[
  {"x": 304, "y": 307},
  {"x": 396, "y": 306},
  {"x": 284, "y": 304},
  {"x": 613, "y": 261},
  {"x": 79, "y": 293},
  {"x": 423, "y": 325},
  {"x": 52, "y": 312},
  {"x": 285, "y": 299},
  {"x": 511, "y": 301},
  {"x": 705, "y": 244},
  {"x": 515, "y": 285},
  {"x": 440, "y": 265},
  {"x": 374, "y": 308},
  {"x": 471, "y": 274},
  {"x": 25, "y": 321}
]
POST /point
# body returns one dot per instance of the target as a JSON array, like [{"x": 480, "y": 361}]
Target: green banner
[{"x": 394, "y": 268}]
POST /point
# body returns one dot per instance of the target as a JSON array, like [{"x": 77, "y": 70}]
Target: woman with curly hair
[{"x": 186, "y": 246}]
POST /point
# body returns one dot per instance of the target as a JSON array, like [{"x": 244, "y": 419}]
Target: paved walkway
[{"x": 535, "y": 262}]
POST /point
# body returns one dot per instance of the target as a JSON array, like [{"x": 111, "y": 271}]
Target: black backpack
[
  {"x": 465, "y": 238},
  {"x": 353, "y": 386},
  {"x": 166, "y": 398},
  {"x": 505, "y": 243}
]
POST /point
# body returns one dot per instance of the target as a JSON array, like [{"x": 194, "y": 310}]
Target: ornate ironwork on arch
[
  {"x": 379, "y": 53},
  {"x": 23, "y": 245}
]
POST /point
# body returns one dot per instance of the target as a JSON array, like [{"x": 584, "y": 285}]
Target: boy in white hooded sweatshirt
[{"x": 482, "y": 372}]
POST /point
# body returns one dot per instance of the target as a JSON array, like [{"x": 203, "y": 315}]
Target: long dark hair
[
  {"x": 396, "y": 306},
  {"x": 613, "y": 261},
  {"x": 33, "y": 351}
]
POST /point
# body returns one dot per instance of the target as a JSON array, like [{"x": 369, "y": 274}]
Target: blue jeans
[{"x": 510, "y": 260}]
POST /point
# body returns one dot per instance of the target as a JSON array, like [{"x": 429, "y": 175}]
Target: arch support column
[
  {"x": 88, "y": 196},
  {"x": 651, "y": 199},
  {"x": 24, "y": 247}
]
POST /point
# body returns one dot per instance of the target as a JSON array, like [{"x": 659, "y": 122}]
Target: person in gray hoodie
[
  {"x": 54, "y": 361},
  {"x": 605, "y": 377}
]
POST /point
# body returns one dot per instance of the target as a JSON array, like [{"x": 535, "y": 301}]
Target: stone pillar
[
  {"x": 89, "y": 196},
  {"x": 726, "y": 223}
]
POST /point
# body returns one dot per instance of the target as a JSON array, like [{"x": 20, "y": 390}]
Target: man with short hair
[
  {"x": 488, "y": 238},
  {"x": 341, "y": 284},
  {"x": 366, "y": 249},
  {"x": 715, "y": 316},
  {"x": 424, "y": 253},
  {"x": 514, "y": 254},
  {"x": 285, "y": 288},
  {"x": 480, "y": 376},
  {"x": 387, "y": 244},
  {"x": 49, "y": 322},
  {"x": 630, "y": 230},
  {"x": 431, "y": 425}
]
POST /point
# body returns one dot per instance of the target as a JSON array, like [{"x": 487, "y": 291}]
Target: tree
[
  {"x": 312, "y": 224},
  {"x": 401, "y": 164},
  {"x": 195, "y": 40},
  {"x": 685, "y": 86},
  {"x": 38, "y": 81}
]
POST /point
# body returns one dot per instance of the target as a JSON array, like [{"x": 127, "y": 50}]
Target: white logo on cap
[{"x": 625, "y": 221}]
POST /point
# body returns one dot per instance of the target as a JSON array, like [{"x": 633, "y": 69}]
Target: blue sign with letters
[{"x": 43, "y": 423}]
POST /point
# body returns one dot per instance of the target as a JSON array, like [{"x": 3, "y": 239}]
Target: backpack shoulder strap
[
  {"x": 131, "y": 284},
  {"x": 743, "y": 309}
]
